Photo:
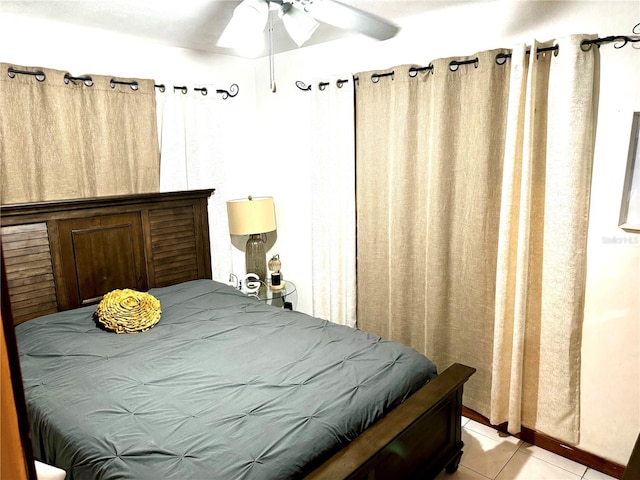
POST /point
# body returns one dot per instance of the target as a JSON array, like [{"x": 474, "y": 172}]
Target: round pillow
[{"x": 128, "y": 311}]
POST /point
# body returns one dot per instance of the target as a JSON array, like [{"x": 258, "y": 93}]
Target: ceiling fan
[{"x": 300, "y": 18}]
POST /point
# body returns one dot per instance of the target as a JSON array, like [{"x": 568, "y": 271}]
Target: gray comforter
[{"x": 223, "y": 387}]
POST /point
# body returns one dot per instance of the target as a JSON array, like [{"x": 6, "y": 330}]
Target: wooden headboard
[{"x": 66, "y": 254}]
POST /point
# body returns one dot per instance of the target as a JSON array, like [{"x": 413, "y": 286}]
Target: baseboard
[{"x": 556, "y": 446}]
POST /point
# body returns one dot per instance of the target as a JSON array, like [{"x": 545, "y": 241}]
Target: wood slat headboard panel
[
  {"x": 66, "y": 254},
  {"x": 29, "y": 268},
  {"x": 173, "y": 234}
]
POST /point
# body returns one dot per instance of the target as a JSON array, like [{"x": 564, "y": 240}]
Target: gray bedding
[{"x": 223, "y": 387}]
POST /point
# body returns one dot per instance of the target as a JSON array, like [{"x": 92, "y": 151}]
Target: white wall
[
  {"x": 36, "y": 42},
  {"x": 611, "y": 336},
  {"x": 272, "y": 157}
]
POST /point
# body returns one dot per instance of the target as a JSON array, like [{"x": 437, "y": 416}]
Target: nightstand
[{"x": 279, "y": 298}]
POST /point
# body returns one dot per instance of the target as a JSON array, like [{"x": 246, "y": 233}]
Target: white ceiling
[{"x": 193, "y": 24}]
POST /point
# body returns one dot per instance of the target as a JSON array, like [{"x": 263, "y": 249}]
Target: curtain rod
[
  {"x": 88, "y": 81},
  {"x": 501, "y": 59},
  {"x": 232, "y": 92}
]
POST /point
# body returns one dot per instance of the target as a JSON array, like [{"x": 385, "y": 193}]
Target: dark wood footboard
[{"x": 418, "y": 439}]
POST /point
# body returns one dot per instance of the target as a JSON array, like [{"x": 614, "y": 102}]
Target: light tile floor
[{"x": 489, "y": 454}]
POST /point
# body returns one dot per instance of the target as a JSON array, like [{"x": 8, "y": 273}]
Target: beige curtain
[
  {"x": 472, "y": 201},
  {"x": 61, "y": 138}
]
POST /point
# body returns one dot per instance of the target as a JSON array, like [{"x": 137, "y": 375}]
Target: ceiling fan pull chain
[{"x": 271, "y": 60}]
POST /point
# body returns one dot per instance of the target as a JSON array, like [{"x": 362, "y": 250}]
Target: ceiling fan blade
[{"x": 350, "y": 18}]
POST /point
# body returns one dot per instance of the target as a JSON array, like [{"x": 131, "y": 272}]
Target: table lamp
[{"x": 253, "y": 216}]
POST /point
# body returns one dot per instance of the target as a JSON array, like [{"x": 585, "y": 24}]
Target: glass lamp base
[{"x": 255, "y": 257}]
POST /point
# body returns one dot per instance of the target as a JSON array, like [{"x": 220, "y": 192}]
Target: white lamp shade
[{"x": 251, "y": 215}]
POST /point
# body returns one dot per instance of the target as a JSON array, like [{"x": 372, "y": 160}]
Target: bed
[{"x": 312, "y": 399}]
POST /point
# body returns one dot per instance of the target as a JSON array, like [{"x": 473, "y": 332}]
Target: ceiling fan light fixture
[
  {"x": 245, "y": 31},
  {"x": 299, "y": 24}
]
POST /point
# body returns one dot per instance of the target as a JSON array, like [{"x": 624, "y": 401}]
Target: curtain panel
[
  {"x": 333, "y": 200},
  {"x": 196, "y": 132},
  {"x": 62, "y": 138},
  {"x": 473, "y": 186}
]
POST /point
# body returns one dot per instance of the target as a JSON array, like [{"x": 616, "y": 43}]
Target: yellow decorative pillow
[{"x": 128, "y": 311}]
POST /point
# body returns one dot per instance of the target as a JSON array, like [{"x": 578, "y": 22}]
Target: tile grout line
[
  {"x": 477, "y": 473},
  {"x": 510, "y": 458},
  {"x": 581, "y": 476},
  {"x": 521, "y": 444},
  {"x": 506, "y": 463}
]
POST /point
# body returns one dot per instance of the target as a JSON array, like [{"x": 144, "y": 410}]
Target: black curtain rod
[
  {"x": 88, "y": 81},
  {"x": 232, "y": 92},
  {"x": 322, "y": 85},
  {"x": 501, "y": 58}
]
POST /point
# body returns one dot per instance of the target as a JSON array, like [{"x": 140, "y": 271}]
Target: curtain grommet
[
  {"x": 502, "y": 58},
  {"x": 133, "y": 85},
  {"x": 40, "y": 75}
]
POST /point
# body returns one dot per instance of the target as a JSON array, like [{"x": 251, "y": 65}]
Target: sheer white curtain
[
  {"x": 194, "y": 128},
  {"x": 333, "y": 200}
]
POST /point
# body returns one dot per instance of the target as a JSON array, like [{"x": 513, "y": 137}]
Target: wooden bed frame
[{"x": 61, "y": 255}]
